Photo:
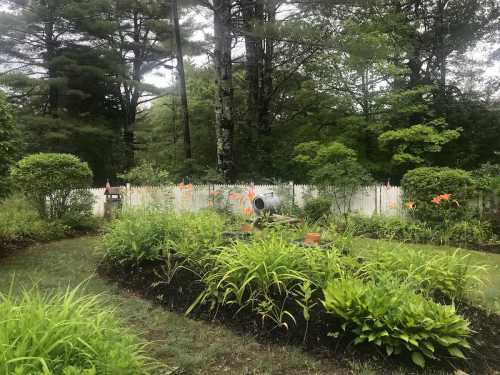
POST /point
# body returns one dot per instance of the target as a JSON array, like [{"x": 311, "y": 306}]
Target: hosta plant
[{"x": 393, "y": 317}]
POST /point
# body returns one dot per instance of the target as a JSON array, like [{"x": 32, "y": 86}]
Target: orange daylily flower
[
  {"x": 250, "y": 195},
  {"x": 436, "y": 200},
  {"x": 234, "y": 196},
  {"x": 445, "y": 197},
  {"x": 410, "y": 205}
]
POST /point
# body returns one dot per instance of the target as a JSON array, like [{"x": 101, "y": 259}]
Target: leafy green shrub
[
  {"x": 317, "y": 208},
  {"x": 422, "y": 185},
  {"x": 488, "y": 182},
  {"x": 52, "y": 178},
  {"x": 20, "y": 222},
  {"x": 335, "y": 168},
  {"x": 428, "y": 273},
  {"x": 464, "y": 233},
  {"x": 470, "y": 232},
  {"x": 146, "y": 174},
  {"x": 388, "y": 227},
  {"x": 393, "y": 317},
  {"x": 63, "y": 334},
  {"x": 151, "y": 234},
  {"x": 264, "y": 275}
]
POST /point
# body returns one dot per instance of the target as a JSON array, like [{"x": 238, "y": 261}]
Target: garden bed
[
  {"x": 177, "y": 296},
  {"x": 392, "y": 302}
]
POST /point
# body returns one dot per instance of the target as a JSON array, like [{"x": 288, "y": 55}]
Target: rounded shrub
[
  {"x": 63, "y": 333},
  {"x": 438, "y": 195},
  {"x": 51, "y": 181},
  {"x": 317, "y": 208}
]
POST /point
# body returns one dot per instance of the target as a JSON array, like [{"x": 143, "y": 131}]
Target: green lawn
[
  {"x": 488, "y": 297},
  {"x": 195, "y": 347}
]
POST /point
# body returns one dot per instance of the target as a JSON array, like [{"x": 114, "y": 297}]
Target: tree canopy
[{"x": 247, "y": 90}]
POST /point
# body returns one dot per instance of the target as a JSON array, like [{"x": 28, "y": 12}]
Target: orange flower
[
  {"x": 234, "y": 196},
  {"x": 248, "y": 211},
  {"x": 436, "y": 200},
  {"x": 445, "y": 197},
  {"x": 250, "y": 195},
  {"x": 410, "y": 205}
]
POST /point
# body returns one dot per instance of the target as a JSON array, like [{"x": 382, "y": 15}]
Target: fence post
[
  {"x": 376, "y": 201},
  {"x": 380, "y": 200}
]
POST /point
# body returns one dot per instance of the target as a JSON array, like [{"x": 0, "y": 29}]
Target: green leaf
[
  {"x": 455, "y": 352},
  {"x": 418, "y": 359}
]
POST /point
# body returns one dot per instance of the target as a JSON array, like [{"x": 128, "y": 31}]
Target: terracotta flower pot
[
  {"x": 246, "y": 228},
  {"x": 312, "y": 238}
]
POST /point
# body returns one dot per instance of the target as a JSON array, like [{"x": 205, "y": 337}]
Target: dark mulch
[
  {"x": 8, "y": 247},
  {"x": 148, "y": 281}
]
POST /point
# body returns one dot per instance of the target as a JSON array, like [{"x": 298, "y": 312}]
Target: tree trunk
[
  {"x": 51, "y": 52},
  {"x": 224, "y": 88},
  {"x": 259, "y": 63},
  {"x": 441, "y": 55},
  {"x": 266, "y": 97},
  {"x": 182, "y": 82},
  {"x": 132, "y": 94},
  {"x": 253, "y": 47}
]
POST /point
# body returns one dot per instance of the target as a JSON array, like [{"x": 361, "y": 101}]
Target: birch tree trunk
[{"x": 224, "y": 125}]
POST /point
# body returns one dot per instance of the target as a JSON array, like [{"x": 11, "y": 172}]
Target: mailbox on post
[{"x": 113, "y": 201}]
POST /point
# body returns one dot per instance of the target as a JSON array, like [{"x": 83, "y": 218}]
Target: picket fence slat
[{"x": 384, "y": 200}]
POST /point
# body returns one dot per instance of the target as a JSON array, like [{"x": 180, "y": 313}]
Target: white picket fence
[{"x": 385, "y": 200}]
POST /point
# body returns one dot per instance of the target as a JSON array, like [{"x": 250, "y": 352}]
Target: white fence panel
[{"x": 370, "y": 200}]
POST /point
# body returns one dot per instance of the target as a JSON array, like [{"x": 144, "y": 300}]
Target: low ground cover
[
  {"x": 471, "y": 233},
  {"x": 283, "y": 287},
  {"x": 22, "y": 224},
  {"x": 485, "y": 295}
]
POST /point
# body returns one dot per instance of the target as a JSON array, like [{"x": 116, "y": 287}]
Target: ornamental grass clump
[
  {"x": 145, "y": 235},
  {"x": 390, "y": 315},
  {"x": 64, "y": 333},
  {"x": 136, "y": 236},
  {"x": 270, "y": 277}
]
